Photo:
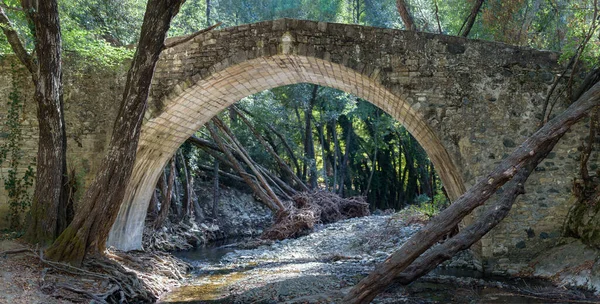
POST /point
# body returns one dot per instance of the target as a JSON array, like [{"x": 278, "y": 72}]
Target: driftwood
[{"x": 307, "y": 209}]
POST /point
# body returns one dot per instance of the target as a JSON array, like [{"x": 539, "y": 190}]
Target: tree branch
[
  {"x": 407, "y": 18},
  {"x": 15, "y": 42},
  {"x": 192, "y": 36},
  {"x": 471, "y": 18},
  {"x": 11, "y": 8}
]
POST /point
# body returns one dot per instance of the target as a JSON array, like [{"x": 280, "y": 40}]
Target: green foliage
[{"x": 16, "y": 183}]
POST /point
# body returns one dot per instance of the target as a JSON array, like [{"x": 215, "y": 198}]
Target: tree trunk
[
  {"x": 287, "y": 147},
  {"x": 345, "y": 162},
  {"x": 309, "y": 144},
  {"x": 186, "y": 200},
  {"x": 284, "y": 167},
  {"x": 246, "y": 158},
  {"x": 167, "y": 197},
  {"x": 468, "y": 24},
  {"x": 88, "y": 232},
  {"x": 49, "y": 204},
  {"x": 258, "y": 191},
  {"x": 526, "y": 154},
  {"x": 215, "y": 203},
  {"x": 407, "y": 18}
]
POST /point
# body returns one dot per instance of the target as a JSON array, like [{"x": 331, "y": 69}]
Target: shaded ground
[{"x": 26, "y": 278}]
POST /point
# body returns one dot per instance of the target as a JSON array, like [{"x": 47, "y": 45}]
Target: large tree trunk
[
  {"x": 49, "y": 206},
  {"x": 88, "y": 232},
  {"x": 528, "y": 153},
  {"x": 474, "y": 232}
]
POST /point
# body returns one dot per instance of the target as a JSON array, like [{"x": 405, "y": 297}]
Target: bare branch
[
  {"x": 10, "y": 8},
  {"x": 15, "y": 42},
  {"x": 407, "y": 18},
  {"x": 437, "y": 16},
  {"x": 471, "y": 18},
  {"x": 192, "y": 36}
]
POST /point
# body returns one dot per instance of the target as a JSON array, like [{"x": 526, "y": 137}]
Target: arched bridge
[{"x": 467, "y": 102}]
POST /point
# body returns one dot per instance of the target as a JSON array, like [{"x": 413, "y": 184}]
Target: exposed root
[
  {"x": 116, "y": 278},
  {"x": 308, "y": 209}
]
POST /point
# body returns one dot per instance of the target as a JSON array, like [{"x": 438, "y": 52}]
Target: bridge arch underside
[{"x": 184, "y": 114}]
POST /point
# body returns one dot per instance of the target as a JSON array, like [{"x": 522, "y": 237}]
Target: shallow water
[{"x": 335, "y": 258}]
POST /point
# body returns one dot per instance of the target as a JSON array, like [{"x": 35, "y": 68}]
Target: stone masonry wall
[{"x": 91, "y": 98}]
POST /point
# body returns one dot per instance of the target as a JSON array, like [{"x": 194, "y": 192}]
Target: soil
[
  {"x": 25, "y": 278},
  {"x": 21, "y": 277}
]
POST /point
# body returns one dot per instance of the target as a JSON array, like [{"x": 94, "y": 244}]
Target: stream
[{"x": 321, "y": 266}]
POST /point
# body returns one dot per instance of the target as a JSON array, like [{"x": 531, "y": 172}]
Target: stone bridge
[{"x": 469, "y": 103}]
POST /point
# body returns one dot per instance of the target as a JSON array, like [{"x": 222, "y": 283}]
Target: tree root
[{"x": 138, "y": 278}]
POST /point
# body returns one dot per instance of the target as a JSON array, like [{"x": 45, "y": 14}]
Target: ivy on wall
[{"x": 16, "y": 182}]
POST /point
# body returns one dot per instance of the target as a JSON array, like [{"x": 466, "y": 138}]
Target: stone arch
[{"x": 185, "y": 113}]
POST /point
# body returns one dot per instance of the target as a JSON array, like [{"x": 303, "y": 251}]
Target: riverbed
[{"x": 322, "y": 266}]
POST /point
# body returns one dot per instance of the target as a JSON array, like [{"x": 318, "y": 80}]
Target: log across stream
[{"x": 322, "y": 266}]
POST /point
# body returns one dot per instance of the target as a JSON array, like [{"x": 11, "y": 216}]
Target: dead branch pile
[{"x": 307, "y": 209}]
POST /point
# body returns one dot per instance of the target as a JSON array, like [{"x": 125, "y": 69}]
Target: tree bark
[
  {"x": 186, "y": 201},
  {"x": 309, "y": 144},
  {"x": 258, "y": 191},
  {"x": 542, "y": 140},
  {"x": 246, "y": 158},
  {"x": 49, "y": 205},
  {"x": 284, "y": 167},
  {"x": 167, "y": 197},
  {"x": 215, "y": 205},
  {"x": 88, "y": 232},
  {"x": 409, "y": 22},
  {"x": 471, "y": 234},
  {"x": 470, "y": 21}
]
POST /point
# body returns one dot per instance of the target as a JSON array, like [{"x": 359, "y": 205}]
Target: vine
[{"x": 16, "y": 184}]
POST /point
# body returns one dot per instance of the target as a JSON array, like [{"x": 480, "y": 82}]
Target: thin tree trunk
[
  {"x": 207, "y": 12},
  {"x": 287, "y": 147},
  {"x": 238, "y": 168},
  {"x": 187, "y": 189},
  {"x": 88, "y": 232},
  {"x": 215, "y": 205},
  {"x": 470, "y": 21},
  {"x": 167, "y": 197},
  {"x": 309, "y": 144},
  {"x": 284, "y": 167},
  {"x": 407, "y": 18},
  {"x": 246, "y": 158},
  {"x": 526, "y": 154},
  {"x": 324, "y": 151},
  {"x": 336, "y": 155},
  {"x": 346, "y": 159}
]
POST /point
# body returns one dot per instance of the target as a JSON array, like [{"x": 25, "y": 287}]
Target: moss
[{"x": 583, "y": 222}]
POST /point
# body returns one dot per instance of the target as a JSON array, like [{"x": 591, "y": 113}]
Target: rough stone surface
[
  {"x": 91, "y": 101},
  {"x": 469, "y": 103},
  {"x": 239, "y": 214},
  {"x": 571, "y": 263}
]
